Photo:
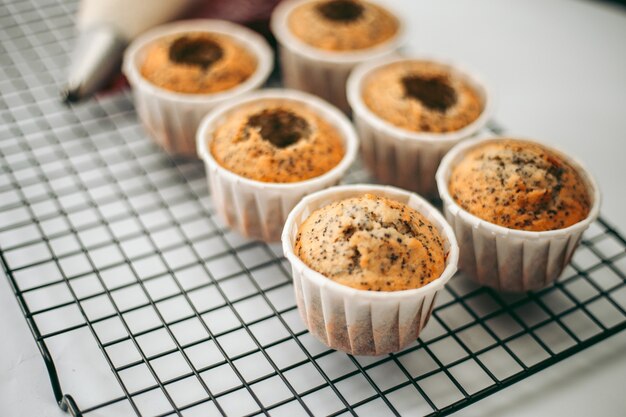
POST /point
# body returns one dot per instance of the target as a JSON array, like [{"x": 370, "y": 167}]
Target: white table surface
[{"x": 558, "y": 68}]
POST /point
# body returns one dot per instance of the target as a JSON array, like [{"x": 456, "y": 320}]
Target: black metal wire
[{"x": 87, "y": 177}]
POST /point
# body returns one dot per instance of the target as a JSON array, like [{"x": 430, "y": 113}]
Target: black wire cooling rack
[{"x": 104, "y": 236}]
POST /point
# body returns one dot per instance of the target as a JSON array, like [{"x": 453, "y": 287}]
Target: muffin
[
  {"x": 421, "y": 96},
  {"x": 342, "y": 25},
  {"x": 371, "y": 243},
  {"x": 368, "y": 262},
  {"x": 277, "y": 141},
  {"x": 409, "y": 112},
  {"x": 197, "y": 63},
  {"x": 322, "y": 40},
  {"x": 263, "y": 152},
  {"x": 520, "y": 185},
  {"x": 519, "y": 209},
  {"x": 180, "y": 71}
]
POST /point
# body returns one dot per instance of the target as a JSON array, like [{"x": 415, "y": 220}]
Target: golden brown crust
[
  {"x": 277, "y": 141},
  {"x": 520, "y": 185},
  {"x": 371, "y": 243},
  {"x": 421, "y": 96},
  {"x": 342, "y": 25},
  {"x": 198, "y": 63}
]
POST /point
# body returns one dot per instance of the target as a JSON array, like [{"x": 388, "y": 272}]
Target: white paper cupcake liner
[
  {"x": 172, "y": 118},
  {"x": 318, "y": 71},
  {"x": 507, "y": 259},
  {"x": 402, "y": 157},
  {"x": 357, "y": 321},
  {"x": 259, "y": 209}
]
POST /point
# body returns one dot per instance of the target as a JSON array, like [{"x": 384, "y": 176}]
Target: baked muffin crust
[
  {"x": 371, "y": 243},
  {"x": 520, "y": 185},
  {"x": 421, "y": 96},
  {"x": 342, "y": 25},
  {"x": 277, "y": 141},
  {"x": 198, "y": 63}
]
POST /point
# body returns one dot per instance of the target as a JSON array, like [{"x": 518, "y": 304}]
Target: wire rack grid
[{"x": 112, "y": 247}]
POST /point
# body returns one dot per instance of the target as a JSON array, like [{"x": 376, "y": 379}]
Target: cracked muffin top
[
  {"x": 198, "y": 63},
  {"x": 277, "y": 141},
  {"x": 371, "y": 243},
  {"x": 520, "y": 185},
  {"x": 421, "y": 96},
  {"x": 342, "y": 25}
]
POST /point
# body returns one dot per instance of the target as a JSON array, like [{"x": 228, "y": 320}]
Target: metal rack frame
[{"x": 85, "y": 197}]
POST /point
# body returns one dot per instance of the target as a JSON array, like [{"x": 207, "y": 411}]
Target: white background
[{"x": 558, "y": 68}]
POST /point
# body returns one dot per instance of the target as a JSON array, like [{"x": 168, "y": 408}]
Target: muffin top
[
  {"x": 277, "y": 141},
  {"x": 371, "y": 243},
  {"x": 421, "y": 96},
  {"x": 197, "y": 63},
  {"x": 520, "y": 185},
  {"x": 342, "y": 25}
]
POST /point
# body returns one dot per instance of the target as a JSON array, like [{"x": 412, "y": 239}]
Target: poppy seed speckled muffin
[
  {"x": 519, "y": 209},
  {"x": 276, "y": 141},
  {"x": 198, "y": 63},
  {"x": 520, "y": 185},
  {"x": 421, "y": 96},
  {"x": 371, "y": 243},
  {"x": 342, "y": 25},
  {"x": 367, "y": 263}
]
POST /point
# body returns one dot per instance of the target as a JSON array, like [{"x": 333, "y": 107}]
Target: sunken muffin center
[
  {"x": 341, "y": 10},
  {"x": 280, "y": 127},
  {"x": 436, "y": 93},
  {"x": 195, "y": 51}
]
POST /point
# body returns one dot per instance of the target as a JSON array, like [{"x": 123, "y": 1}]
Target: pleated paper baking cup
[
  {"x": 402, "y": 157},
  {"x": 357, "y": 321},
  {"x": 259, "y": 209},
  {"x": 506, "y": 259},
  {"x": 321, "y": 72},
  {"x": 171, "y": 118}
]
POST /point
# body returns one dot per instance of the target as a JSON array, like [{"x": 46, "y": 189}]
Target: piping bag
[{"x": 105, "y": 28}]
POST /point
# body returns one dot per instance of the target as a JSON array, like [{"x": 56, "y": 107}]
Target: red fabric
[{"x": 241, "y": 11}]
